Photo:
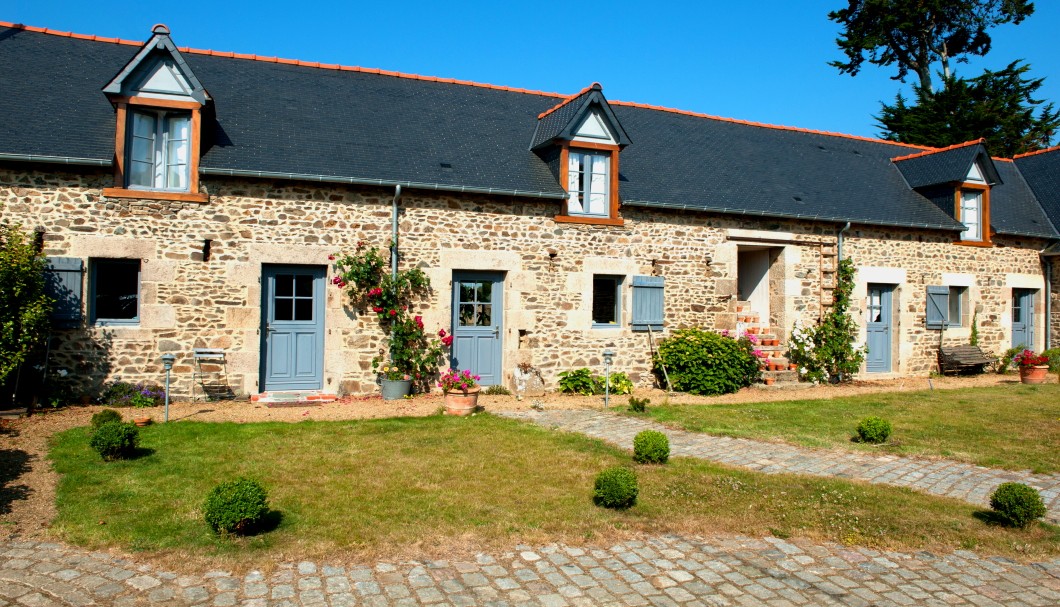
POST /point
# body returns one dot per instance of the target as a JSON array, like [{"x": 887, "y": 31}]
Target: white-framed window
[
  {"x": 607, "y": 301},
  {"x": 589, "y": 182},
  {"x": 159, "y": 150},
  {"x": 948, "y": 307},
  {"x": 115, "y": 291},
  {"x": 971, "y": 215}
]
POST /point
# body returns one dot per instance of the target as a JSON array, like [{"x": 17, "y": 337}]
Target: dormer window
[
  {"x": 158, "y": 105},
  {"x": 970, "y": 214},
  {"x": 973, "y": 207},
  {"x": 589, "y": 177},
  {"x": 159, "y": 150}
]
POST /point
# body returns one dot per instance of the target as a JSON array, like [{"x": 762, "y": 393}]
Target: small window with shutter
[
  {"x": 63, "y": 280},
  {"x": 647, "y": 303},
  {"x": 938, "y": 307}
]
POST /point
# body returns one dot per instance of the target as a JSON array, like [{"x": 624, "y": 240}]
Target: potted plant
[
  {"x": 461, "y": 391},
  {"x": 1034, "y": 368},
  {"x": 394, "y": 382}
]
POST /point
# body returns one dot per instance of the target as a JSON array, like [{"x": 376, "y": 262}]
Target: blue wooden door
[
  {"x": 293, "y": 327},
  {"x": 878, "y": 329},
  {"x": 478, "y": 321},
  {"x": 1023, "y": 318}
]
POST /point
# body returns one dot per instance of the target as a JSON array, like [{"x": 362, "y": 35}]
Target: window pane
[
  {"x": 467, "y": 315},
  {"x": 141, "y": 173},
  {"x": 574, "y": 182},
  {"x": 303, "y": 309},
  {"x": 971, "y": 203},
  {"x": 144, "y": 125},
  {"x": 284, "y": 309},
  {"x": 484, "y": 315},
  {"x": 303, "y": 285},
  {"x": 117, "y": 289},
  {"x": 485, "y": 291},
  {"x": 605, "y": 301},
  {"x": 178, "y": 128},
  {"x": 284, "y": 285},
  {"x": 955, "y": 305}
]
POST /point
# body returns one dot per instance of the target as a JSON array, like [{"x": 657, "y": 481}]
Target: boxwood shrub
[
  {"x": 873, "y": 430},
  {"x": 704, "y": 362},
  {"x": 104, "y": 416},
  {"x": 237, "y": 506},
  {"x": 651, "y": 447},
  {"x": 1017, "y": 504},
  {"x": 115, "y": 440},
  {"x": 616, "y": 488}
]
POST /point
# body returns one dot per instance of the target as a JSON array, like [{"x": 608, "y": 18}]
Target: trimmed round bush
[
  {"x": 704, "y": 362},
  {"x": 115, "y": 440},
  {"x": 651, "y": 447},
  {"x": 874, "y": 430},
  {"x": 104, "y": 416},
  {"x": 616, "y": 488},
  {"x": 1017, "y": 504},
  {"x": 236, "y": 506}
]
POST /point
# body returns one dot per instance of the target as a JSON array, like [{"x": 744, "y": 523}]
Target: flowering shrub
[
  {"x": 363, "y": 275},
  {"x": 393, "y": 373},
  {"x": 826, "y": 351},
  {"x": 704, "y": 362},
  {"x": 124, "y": 394},
  {"x": 1028, "y": 358},
  {"x": 453, "y": 380}
]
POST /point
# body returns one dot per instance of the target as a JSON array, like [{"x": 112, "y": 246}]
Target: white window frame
[
  {"x": 159, "y": 151},
  {"x": 580, "y": 183},
  {"x": 618, "y": 281},
  {"x": 973, "y": 232},
  {"x": 957, "y": 307}
]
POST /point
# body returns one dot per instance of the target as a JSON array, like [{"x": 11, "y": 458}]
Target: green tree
[
  {"x": 916, "y": 35},
  {"x": 24, "y": 305},
  {"x": 997, "y": 106}
]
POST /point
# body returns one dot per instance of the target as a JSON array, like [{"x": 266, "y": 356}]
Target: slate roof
[
  {"x": 280, "y": 119},
  {"x": 1042, "y": 172},
  {"x": 944, "y": 166}
]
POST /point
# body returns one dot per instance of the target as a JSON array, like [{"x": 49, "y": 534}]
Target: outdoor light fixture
[
  {"x": 167, "y": 363},
  {"x": 608, "y": 357}
]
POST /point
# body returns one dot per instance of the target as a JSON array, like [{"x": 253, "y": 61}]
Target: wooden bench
[{"x": 965, "y": 358}]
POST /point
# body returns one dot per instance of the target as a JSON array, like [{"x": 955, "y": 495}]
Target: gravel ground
[{"x": 27, "y": 481}]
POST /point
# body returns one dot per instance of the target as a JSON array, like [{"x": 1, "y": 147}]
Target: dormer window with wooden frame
[
  {"x": 158, "y": 106},
  {"x": 581, "y": 140},
  {"x": 972, "y": 208}
]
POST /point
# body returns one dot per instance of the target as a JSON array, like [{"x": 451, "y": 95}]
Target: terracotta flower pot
[
  {"x": 769, "y": 381},
  {"x": 792, "y": 367},
  {"x": 462, "y": 402},
  {"x": 142, "y": 421},
  {"x": 1034, "y": 375}
]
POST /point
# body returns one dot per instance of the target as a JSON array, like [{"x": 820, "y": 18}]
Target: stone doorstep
[
  {"x": 294, "y": 398},
  {"x": 13, "y": 413}
]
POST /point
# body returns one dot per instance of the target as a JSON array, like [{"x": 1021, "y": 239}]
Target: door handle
[{"x": 496, "y": 331}]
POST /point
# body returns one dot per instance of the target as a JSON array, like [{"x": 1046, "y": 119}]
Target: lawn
[
  {"x": 417, "y": 487},
  {"x": 1016, "y": 427}
]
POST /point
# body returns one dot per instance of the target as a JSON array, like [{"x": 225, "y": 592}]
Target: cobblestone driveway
[
  {"x": 966, "y": 482},
  {"x": 664, "y": 571}
]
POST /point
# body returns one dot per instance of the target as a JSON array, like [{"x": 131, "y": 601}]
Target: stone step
[{"x": 293, "y": 398}]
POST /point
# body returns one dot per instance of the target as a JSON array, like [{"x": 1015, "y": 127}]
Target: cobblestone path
[
  {"x": 663, "y": 571},
  {"x": 970, "y": 483}
]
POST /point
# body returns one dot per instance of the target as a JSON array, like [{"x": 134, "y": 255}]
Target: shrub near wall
[{"x": 704, "y": 362}]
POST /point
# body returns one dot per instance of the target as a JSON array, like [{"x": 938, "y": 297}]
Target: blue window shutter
[
  {"x": 938, "y": 306},
  {"x": 63, "y": 284},
  {"x": 647, "y": 303}
]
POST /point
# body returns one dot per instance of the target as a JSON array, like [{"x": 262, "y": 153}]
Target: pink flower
[{"x": 477, "y": 378}]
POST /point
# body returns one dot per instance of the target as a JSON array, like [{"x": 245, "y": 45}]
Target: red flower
[
  {"x": 331, "y": 258},
  {"x": 336, "y": 280},
  {"x": 447, "y": 340},
  {"x": 393, "y": 312},
  {"x": 441, "y": 332},
  {"x": 377, "y": 310}
]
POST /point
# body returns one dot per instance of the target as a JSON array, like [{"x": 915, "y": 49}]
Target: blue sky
[{"x": 759, "y": 60}]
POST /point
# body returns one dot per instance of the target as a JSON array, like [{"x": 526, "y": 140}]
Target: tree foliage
[
  {"x": 24, "y": 305},
  {"x": 915, "y": 35},
  {"x": 997, "y": 106}
]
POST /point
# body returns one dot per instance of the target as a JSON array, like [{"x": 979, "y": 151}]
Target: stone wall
[{"x": 188, "y": 301}]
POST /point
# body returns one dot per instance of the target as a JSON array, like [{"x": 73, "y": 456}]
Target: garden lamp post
[
  {"x": 167, "y": 362},
  {"x": 608, "y": 356}
]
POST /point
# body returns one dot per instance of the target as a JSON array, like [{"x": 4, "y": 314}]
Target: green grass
[
  {"x": 1016, "y": 427},
  {"x": 415, "y": 487}
]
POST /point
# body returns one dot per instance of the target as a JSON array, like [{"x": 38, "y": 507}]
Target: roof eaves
[
  {"x": 56, "y": 159},
  {"x": 1037, "y": 152},
  {"x": 782, "y": 215}
]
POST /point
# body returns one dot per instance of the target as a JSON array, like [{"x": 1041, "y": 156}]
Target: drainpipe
[
  {"x": 394, "y": 232},
  {"x": 1048, "y": 302},
  {"x": 839, "y": 244}
]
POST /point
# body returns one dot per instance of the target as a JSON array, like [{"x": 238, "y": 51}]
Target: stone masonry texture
[
  {"x": 665, "y": 570},
  {"x": 189, "y": 301}
]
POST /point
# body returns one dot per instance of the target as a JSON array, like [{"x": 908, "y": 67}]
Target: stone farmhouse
[{"x": 189, "y": 199}]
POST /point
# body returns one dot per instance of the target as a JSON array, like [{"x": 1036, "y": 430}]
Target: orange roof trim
[
  {"x": 937, "y": 150},
  {"x": 1036, "y": 152},
  {"x": 585, "y": 90}
]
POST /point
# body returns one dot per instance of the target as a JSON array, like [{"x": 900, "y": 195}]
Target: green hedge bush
[
  {"x": 616, "y": 488},
  {"x": 237, "y": 506},
  {"x": 704, "y": 362},
  {"x": 583, "y": 382},
  {"x": 1017, "y": 504},
  {"x": 651, "y": 447},
  {"x": 638, "y": 405},
  {"x": 104, "y": 416},
  {"x": 874, "y": 430},
  {"x": 115, "y": 440}
]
